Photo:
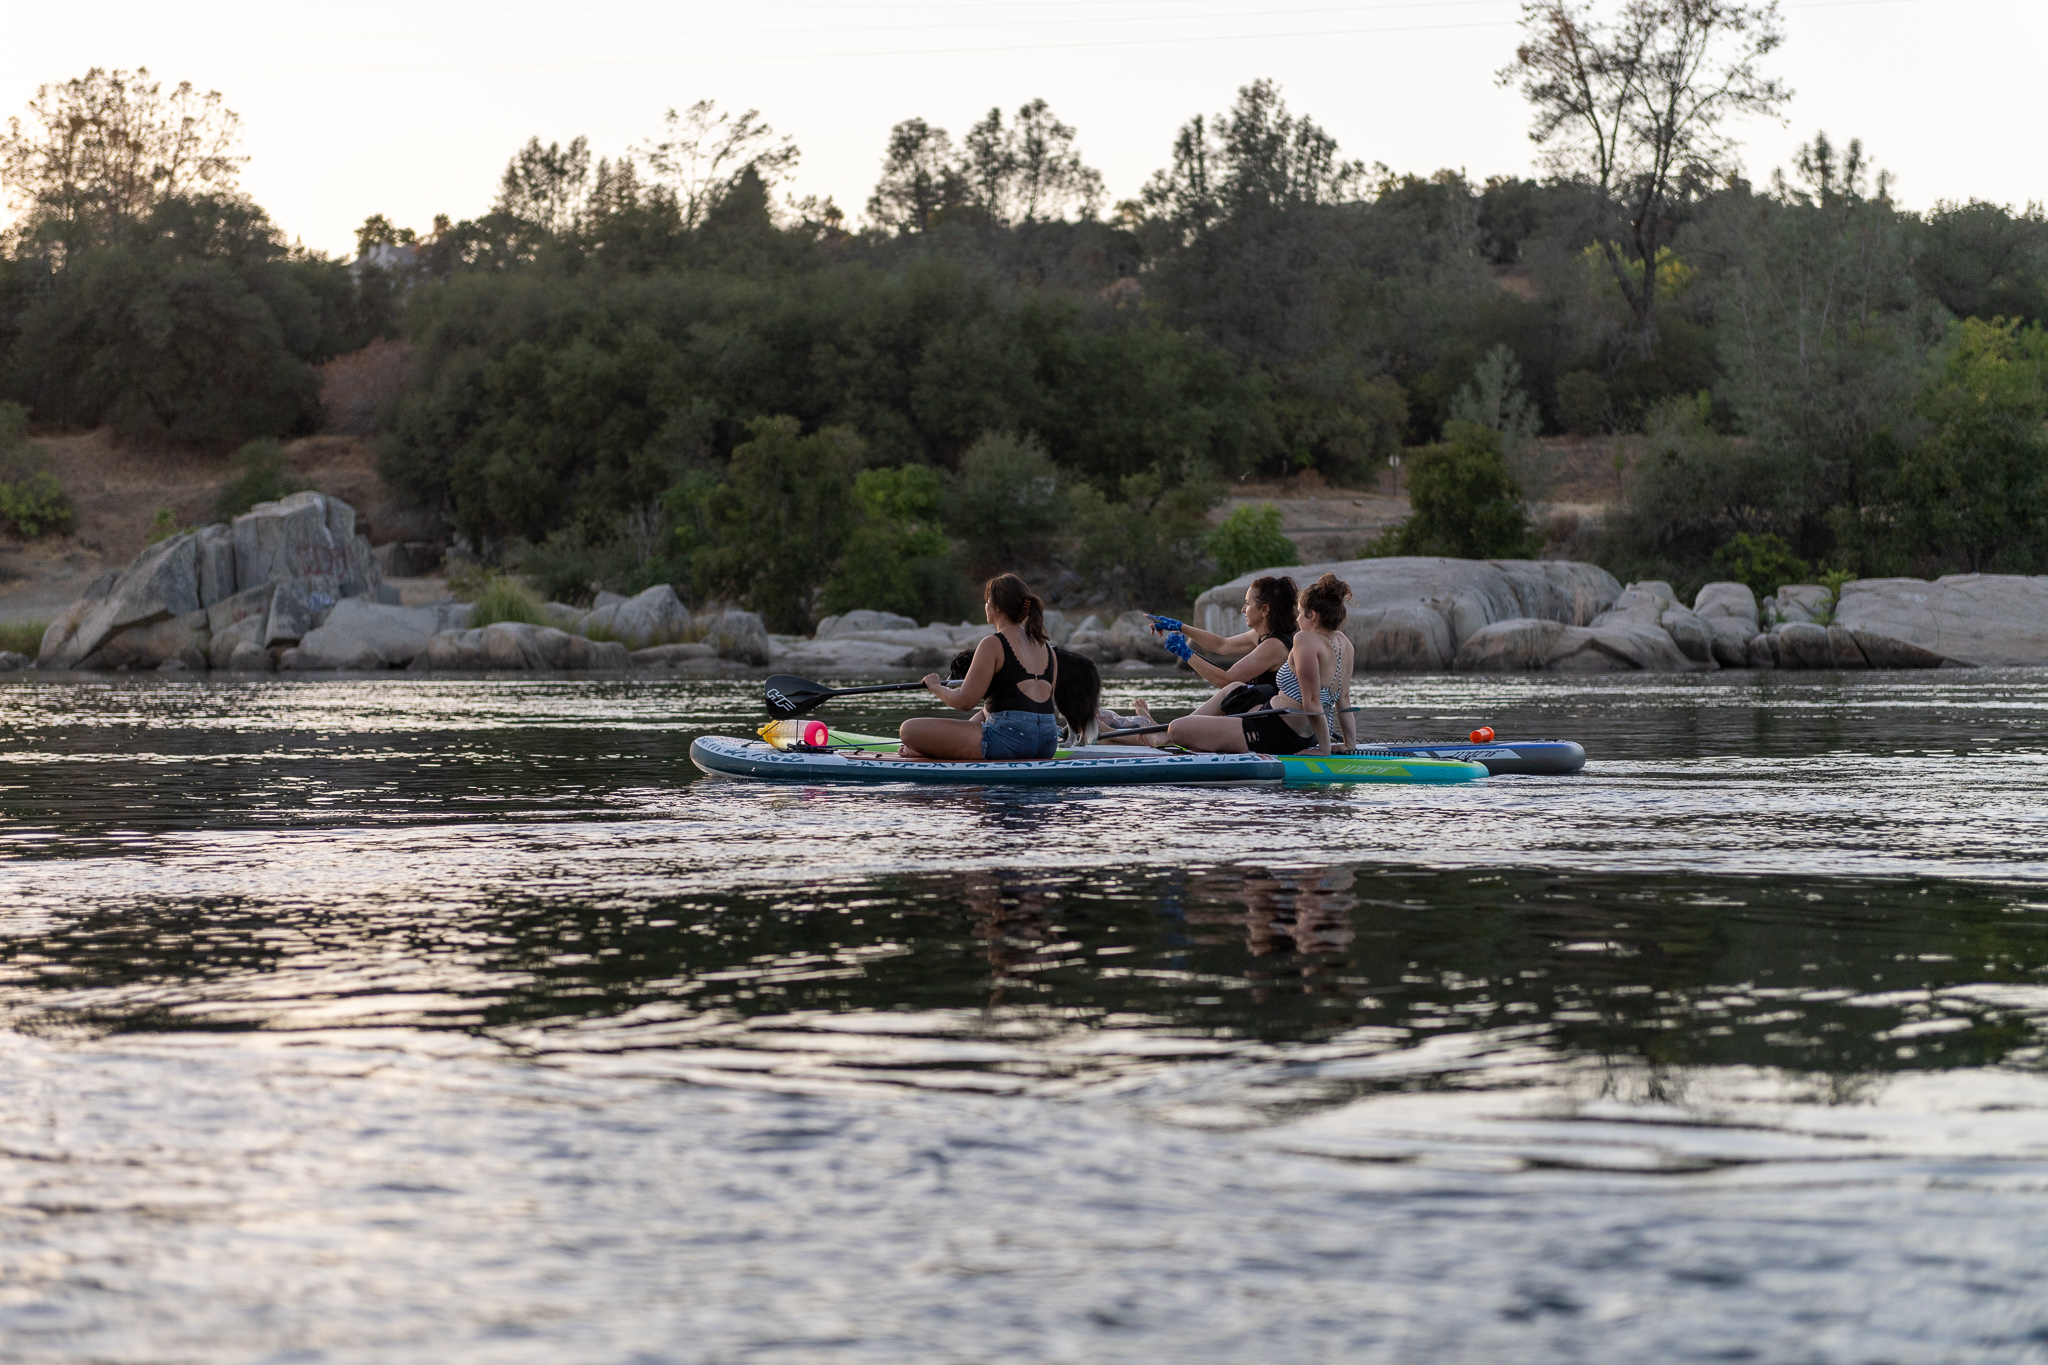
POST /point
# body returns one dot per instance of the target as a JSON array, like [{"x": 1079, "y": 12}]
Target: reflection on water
[{"x": 372, "y": 1018}]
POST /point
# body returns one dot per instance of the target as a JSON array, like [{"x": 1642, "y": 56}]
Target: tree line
[{"x": 657, "y": 365}]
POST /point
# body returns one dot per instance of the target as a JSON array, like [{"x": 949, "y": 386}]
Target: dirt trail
[{"x": 118, "y": 490}]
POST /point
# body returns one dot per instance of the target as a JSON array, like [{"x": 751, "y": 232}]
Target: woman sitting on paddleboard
[
  {"x": 1260, "y": 651},
  {"x": 1318, "y": 666},
  {"x": 1014, "y": 670}
]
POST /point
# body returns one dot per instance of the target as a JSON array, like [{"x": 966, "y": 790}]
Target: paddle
[
  {"x": 1160, "y": 729},
  {"x": 788, "y": 697}
]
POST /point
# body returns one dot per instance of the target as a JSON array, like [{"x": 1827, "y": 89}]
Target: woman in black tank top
[
  {"x": 1259, "y": 651},
  {"x": 1014, "y": 670}
]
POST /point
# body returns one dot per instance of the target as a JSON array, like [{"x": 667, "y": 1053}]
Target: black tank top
[
  {"x": 1004, "y": 694},
  {"x": 1270, "y": 678}
]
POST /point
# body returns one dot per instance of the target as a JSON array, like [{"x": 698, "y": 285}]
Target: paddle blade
[{"x": 787, "y": 696}]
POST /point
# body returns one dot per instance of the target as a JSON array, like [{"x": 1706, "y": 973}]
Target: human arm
[
  {"x": 974, "y": 687},
  {"x": 1264, "y": 658},
  {"x": 1208, "y": 641},
  {"x": 1308, "y": 671},
  {"x": 1346, "y": 720}
]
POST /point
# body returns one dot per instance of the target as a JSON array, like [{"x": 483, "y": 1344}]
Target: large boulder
[
  {"x": 1406, "y": 637},
  {"x": 670, "y": 656},
  {"x": 1733, "y": 601},
  {"x": 1796, "y": 603},
  {"x": 854, "y": 656},
  {"x": 1415, "y": 613},
  {"x": 1987, "y": 620},
  {"x": 1729, "y": 612},
  {"x": 510, "y": 645},
  {"x": 1523, "y": 645},
  {"x": 214, "y": 549},
  {"x": 738, "y": 635},
  {"x": 1692, "y": 636},
  {"x": 284, "y": 563},
  {"x": 162, "y": 582},
  {"x": 862, "y": 622},
  {"x": 308, "y": 537},
  {"x": 367, "y": 635},
  {"x": 1801, "y": 644},
  {"x": 656, "y": 617},
  {"x": 182, "y": 639}
]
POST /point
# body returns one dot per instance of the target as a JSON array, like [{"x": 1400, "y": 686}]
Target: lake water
[{"x": 410, "y": 1020}]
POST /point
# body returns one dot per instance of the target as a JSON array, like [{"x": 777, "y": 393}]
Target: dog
[{"x": 1076, "y": 690}]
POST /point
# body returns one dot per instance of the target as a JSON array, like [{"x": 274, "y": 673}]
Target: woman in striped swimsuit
[{"x": 1319, "y": 664}]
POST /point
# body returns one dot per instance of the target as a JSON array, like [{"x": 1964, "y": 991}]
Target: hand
[
  {"x": 1164, "y": 623},
  {"x": 933, "y": 682},
  {"x": 1177, "y": 645}
]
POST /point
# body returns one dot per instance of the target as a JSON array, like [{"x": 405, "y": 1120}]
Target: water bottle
[{"x": 784, "y": 734}]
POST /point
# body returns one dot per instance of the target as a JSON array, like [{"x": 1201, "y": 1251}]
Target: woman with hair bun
[
  {"x": 1013, "y": 670},
  {"x": 1318, "y": 665}
]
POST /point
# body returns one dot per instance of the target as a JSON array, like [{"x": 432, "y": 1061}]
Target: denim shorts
[{"x": 1019, "y": 734}]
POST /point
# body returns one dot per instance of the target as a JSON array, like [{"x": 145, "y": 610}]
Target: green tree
[
  {"x": 1973, "y": 494},
  {"x": 1635, "y": 108},
  {"x": 1250, "y": 538},
  {"x": 99, "y": 154},
  {"x": 1693, "y": 492},
  {"x": 1465, "y": 503},
  {"x": 774, "y": 529},
  {"x": 897, "y": 557},
  {"x": 1007, "y": 505}
]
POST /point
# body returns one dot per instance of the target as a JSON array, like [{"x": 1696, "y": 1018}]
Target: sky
[{"x": 412, "y": 109}]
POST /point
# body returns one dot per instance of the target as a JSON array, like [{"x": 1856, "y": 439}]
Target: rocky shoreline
[
  {"x": 291, "y": 587},
  {"x": 1456, "y": 615}
]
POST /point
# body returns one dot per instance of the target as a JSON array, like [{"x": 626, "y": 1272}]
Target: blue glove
[
  {"x": 1165, "y": 622},
  {"x": 1177, "y": 645}
]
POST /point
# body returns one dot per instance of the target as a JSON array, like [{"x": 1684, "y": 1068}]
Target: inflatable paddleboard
[
  {"x": 1522, "y": 757},
  {"x": 1106, "y": 765}
]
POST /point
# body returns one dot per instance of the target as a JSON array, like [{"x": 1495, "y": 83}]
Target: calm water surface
[{"x": 462, "y": 1021}]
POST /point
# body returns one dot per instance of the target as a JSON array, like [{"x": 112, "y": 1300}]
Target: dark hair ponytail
[
  {"x": 1276, "y": 593},
  {"x": 1009, "y": 595},
  {"x": 1326, "y": 597}
]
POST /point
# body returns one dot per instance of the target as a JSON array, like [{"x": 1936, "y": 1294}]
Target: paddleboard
[
  {"x": 1099, "y": 766},
  {"x": 1522, "y": 757}
]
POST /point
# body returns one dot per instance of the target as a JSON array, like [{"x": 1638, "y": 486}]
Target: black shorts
[{"x": 1267, "y": 732}]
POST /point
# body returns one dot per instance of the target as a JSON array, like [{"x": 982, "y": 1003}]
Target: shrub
[
  {"x": 1250, "y": 538},
  {"x": 266, "y": 476},
  {"x": 1582, "y": 402},
  {"x": 1693, "y": 492},
  {"x": 898, "y": 559},
  {"x": 565, "y": 567},
  {"x": 23, "y": 637},
  {"x": 773, "y": 531},
  {"x": 32, "y": 502},
  {"x": 503, "y": 598},
  {"x": 1764, "y": 562},
  {"x": 1466, "y": 503},
  {"x": 1148, "y": 547},
  {"x": 1005, "y": 505}
]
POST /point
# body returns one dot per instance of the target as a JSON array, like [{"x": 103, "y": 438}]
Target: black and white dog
[{"x": 1076, "y": 690}]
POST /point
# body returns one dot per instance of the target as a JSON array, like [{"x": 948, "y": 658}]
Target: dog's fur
[{"x": 1076, "y": 690}]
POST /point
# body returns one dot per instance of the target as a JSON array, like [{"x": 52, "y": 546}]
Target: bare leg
[
  {"x": 1214, "y": 706},
  {"x": 1142, "y": 718},
  {"x": 930, "y": 738},
  {"x": 1208, "y": 734}
]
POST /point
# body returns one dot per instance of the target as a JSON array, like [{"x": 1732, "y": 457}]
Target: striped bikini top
[{"x": 1291, "y": 685}]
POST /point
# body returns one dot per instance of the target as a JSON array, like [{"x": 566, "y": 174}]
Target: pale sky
[{"x": 412, "y": 108}]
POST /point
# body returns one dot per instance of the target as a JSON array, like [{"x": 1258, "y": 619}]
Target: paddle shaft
[{"x": 1161, "y": 729}]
